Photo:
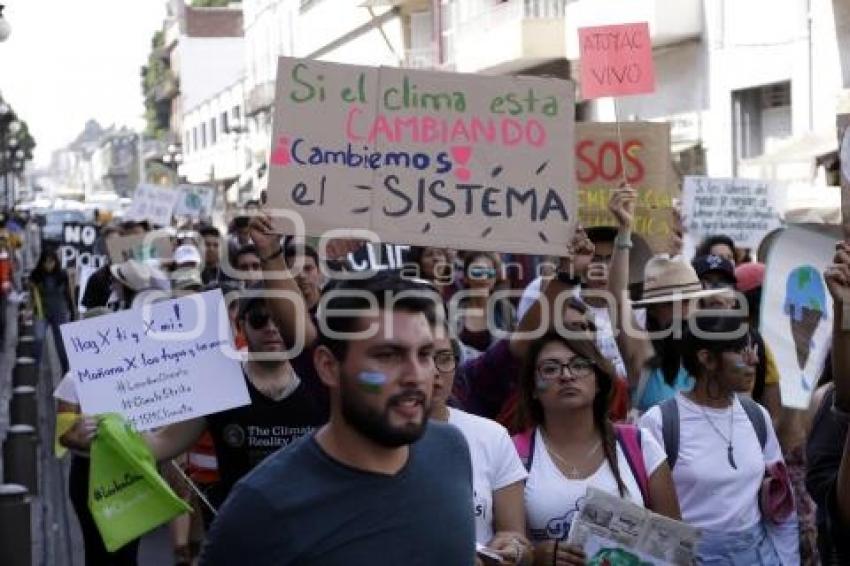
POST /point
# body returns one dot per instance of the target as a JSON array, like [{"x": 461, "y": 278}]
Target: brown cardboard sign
[
  {"x": 141, "y": 247},
  {"x": 646, "y": 160},
  {"x": 425, "y": 158}
]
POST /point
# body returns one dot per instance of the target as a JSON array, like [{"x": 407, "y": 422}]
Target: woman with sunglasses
[
  {"x": 481, "y": 270},
  {"x": 721, "y": 446},
  {"x": 571, "y": 444},
  {"x": 497, "y": 472}
]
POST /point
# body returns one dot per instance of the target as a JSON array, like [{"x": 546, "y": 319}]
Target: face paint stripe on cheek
[
  {"x": 541, "y": 384},
  {"x": 372, "y": 381}
]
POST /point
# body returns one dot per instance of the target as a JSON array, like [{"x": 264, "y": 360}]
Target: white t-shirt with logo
[
  {"x": 495, "y": 464},
  {"x": 552, "y": 499}
]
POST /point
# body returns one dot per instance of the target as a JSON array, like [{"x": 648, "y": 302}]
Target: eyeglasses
[
  {"x": 445, "y": 361},
  {"x": 578, "y": 367},
  {"x": 258, "y": 319},
  {"x": 482, "y": 272}
]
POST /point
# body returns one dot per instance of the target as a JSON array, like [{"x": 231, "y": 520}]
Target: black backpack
[{"x": 670, "y": 425}]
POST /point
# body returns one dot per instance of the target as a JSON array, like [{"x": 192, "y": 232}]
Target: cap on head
[{"x": 715, "y": 264}]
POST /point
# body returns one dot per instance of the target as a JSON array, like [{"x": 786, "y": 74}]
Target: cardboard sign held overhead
[
  {"x": 646, "y": 160},
  {"x": 194, "y": 201},
  {"x": 141, "y": 247},
  {"x": 743, "y": 209},
  {"x": 77, "y": 248},
  {"x": 616, "y": 60},
  {"x": 425, "y": 158},
  {"x": 153, "y": 203}
]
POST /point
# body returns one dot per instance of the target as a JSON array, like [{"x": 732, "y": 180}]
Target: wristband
[
  {"x": 272, "y": 256},
  {"x": 623, "y": 241}
]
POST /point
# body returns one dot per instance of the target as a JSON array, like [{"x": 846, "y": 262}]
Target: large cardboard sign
[
  {"x": 796, "y": 310},
  {"x": 616, "y": 60},
  {"x": 157, "y": 365},
  {"x": 77, "y": 249},
  {"x": 646, "y": 163},
  {"x": 194, "y": 200},
  {"x": 141, "y": 247},
  {"x": 154, "y": 204},
  {"x": 425, "y": 158},
  {"x": 745, "y": 210}
]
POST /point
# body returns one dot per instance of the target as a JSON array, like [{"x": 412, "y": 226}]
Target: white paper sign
[
  {"x": 157, "y": 365},
  {"x": 153, "y": 203},
  {"x": 194, "y": 201},
  {"x": 796, "y": 311},
  {"x": 745, "y": 210}
]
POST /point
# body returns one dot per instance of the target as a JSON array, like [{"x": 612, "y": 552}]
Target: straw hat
[
  {"x": 668, "y": 280},
  {"x": 134, "y": 274}
]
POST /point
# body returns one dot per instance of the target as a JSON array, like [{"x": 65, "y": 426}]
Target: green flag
[{"x": 127, "y": 496}]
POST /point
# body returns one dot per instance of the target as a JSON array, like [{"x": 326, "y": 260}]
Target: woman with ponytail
[{"x": 570, "y": 444}]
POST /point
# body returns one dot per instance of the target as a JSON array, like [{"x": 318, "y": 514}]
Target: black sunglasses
[{"x": 258, "y": 319}]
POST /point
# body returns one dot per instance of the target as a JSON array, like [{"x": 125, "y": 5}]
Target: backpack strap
[
  {"x": 756, "y": 417},
  {"x": 629, "y": 438},
  {"x": 670, "y": 429},
  {"x": 524, "y": 443}
]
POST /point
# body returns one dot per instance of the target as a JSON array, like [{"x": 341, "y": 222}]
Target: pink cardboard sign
[{"x": 616, "y": 60}]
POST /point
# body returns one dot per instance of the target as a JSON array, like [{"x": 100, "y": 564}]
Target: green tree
[{"x": 157, "y": 113}]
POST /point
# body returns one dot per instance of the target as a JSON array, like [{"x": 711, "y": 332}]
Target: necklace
[
  {"x": 573, "y": 472},
  {"x": 730, "y": 455}
]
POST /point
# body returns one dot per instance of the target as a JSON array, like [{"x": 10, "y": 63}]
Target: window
[
  {"x": 213, "y": 131},
  {"x": 761, "y": 119},
  {"x": 224, "y": 127},
  {"x": 186, "y": 144},
  {"x": 195, "y": 138},
  {"x": 237, "y": 113},
  {"x": 204, "y": 135}
]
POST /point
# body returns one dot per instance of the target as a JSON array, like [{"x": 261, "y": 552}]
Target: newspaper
[{"x": 617, "y": 532}]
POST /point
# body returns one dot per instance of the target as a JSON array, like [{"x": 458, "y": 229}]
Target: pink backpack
[{"x": 628, "y": 436}]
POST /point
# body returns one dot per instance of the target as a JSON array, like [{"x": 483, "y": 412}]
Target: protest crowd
[{"x": 378, "y": 403}]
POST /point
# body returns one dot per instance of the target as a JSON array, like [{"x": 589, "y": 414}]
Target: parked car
[{"x": 51, "y": 230}]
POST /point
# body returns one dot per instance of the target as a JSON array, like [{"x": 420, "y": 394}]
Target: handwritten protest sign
[
  {"x": 157, "y": 365},
  {"x": 425, "y": 158},
  {"x": 141, "y": 247},
  {"x": 153, "y": 203},
  {"x": 616, "y": 60},
  {"x": 745, "y": 210},
  {"x": 77, "y": 248},
  {"x": 194, "y": 201},
  {"x": 646, "y": 160},
  {"x": 842, "y": 123}
]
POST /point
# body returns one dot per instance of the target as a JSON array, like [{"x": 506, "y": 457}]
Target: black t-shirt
[
  {"x": 245, "y": 436},
  {"x": 303, "y": 507},
  {"x": 824, "y": 450},
  {"x": 98, "y": 288}
]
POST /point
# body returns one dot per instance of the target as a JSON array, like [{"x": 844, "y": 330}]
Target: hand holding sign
[{"x": 622, "y": 206}]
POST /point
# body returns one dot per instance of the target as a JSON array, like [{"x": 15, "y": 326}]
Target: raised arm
[
  {"x": 635, "y": 346},
  {"x": 290, "y": 312},
  {"x": 175, "y": 439}
]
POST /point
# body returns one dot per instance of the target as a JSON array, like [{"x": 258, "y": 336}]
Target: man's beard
[{"x": 375, "y": 425}]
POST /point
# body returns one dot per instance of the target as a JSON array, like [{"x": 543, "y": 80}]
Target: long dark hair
[
  {"x": 39, "y": 273},
  {"x": 716, "y": 334},
  {"x": 531, "y": 412}
]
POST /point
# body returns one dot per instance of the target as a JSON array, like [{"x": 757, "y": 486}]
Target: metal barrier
[
  {"x": 26, "y": 347},
  {"x": 20, "y": 457},
  {"x": 23, "y": 407},
  {"x": 15, "y": 534},
  {"x": 25, "y": 372}
]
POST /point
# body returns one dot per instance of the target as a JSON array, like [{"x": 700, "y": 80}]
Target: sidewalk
[{"x": 55, "y": 532}]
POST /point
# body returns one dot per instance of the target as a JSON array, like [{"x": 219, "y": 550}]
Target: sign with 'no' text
[
  {"x": 616, "y": 60},
  {"x": 425, "y": 158}
]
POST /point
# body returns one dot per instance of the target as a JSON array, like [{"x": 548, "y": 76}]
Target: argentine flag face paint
[{"x": 372, "y": 381}]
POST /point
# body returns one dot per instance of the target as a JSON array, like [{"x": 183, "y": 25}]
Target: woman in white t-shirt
[
  {"x": 497, "y": 472},
  {"x": 572, "y": 445},
  {"x": 720, "y": 462}
]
